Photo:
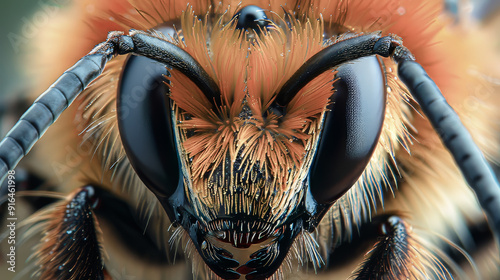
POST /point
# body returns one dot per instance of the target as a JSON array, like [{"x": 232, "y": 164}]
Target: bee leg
[
  {"x": 398, "y": 255},
  {"x": 70, "y": 247}
]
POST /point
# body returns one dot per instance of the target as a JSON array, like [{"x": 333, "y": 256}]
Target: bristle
[{"x": 310, "y": 251}]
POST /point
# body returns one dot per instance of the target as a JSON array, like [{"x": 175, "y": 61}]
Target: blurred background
[{"x": 13, "y": 15}]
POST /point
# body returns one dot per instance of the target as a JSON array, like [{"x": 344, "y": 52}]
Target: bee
[{"x": 258, "y": 140}]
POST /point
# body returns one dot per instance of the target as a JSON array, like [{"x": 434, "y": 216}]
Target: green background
[{"x": 11, "y": 21}]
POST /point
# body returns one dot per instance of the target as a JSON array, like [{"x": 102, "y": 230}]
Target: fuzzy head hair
[{"x": 242, "y": 157}]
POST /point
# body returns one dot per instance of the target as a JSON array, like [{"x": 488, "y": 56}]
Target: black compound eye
[
  {"x": 145, "y": 124},
  {"x": 251, "y": 17},
  {"x": 351, "y": 129}
]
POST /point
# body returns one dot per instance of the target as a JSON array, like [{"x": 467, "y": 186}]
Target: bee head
[{"x": 248, "y": 170}]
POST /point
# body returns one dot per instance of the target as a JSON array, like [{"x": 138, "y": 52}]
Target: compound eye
[
  {"x": 145, "y": 124},
  {"x": 351, "y": 129},
  {"x": 251, "y": 17}
]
